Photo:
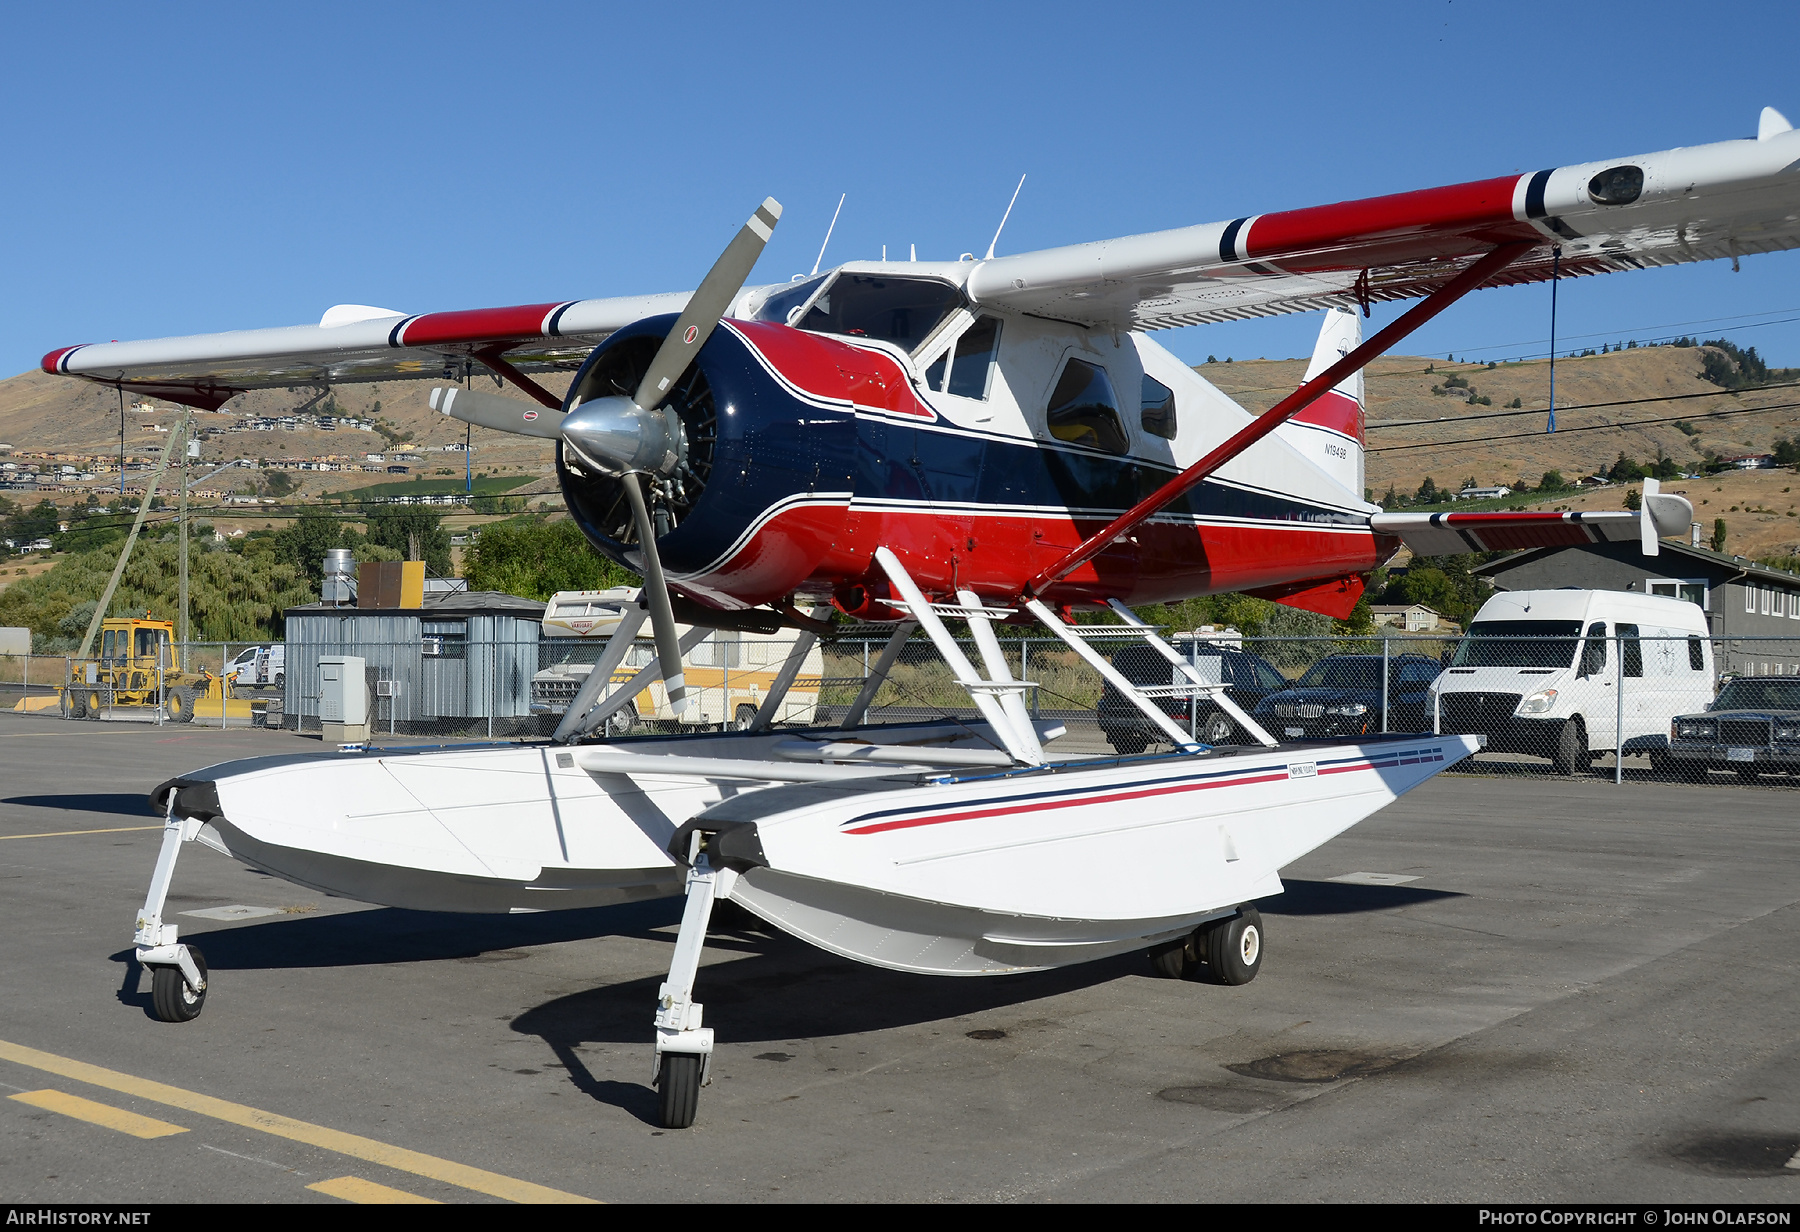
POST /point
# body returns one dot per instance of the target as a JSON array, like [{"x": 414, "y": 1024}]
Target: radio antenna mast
[
  {"x": 829, "y": 230},
  {"x": 1003, "y": 218}
]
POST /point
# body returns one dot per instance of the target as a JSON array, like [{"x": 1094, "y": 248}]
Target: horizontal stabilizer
[{"x": 1446, "y": 534}]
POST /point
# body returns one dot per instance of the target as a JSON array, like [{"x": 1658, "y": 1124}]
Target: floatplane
[{"x": 976, "y": 441}]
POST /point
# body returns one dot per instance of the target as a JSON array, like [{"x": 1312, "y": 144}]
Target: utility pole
[
  {"x": 121, "y": 442},
  {"x": 182, "y": 518},
  {"x": 112, "y": 583}
]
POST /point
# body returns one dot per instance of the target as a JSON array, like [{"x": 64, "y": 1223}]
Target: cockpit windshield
[{"x": 901, "y": 311}]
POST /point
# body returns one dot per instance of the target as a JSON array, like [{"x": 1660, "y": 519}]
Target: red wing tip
[{"x": 53, "y": 361}]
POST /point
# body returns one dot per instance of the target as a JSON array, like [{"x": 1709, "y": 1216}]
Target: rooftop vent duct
[{"x": 340, "y": 577}]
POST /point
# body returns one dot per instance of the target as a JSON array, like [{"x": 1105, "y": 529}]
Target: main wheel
[
  {"x": 1170, "y": 959},
  {"x": 1571, "y": 754},
  {"x": 1216, "y": 728},
  {"x": 1233, "y": 948},
  {"x": 171, "y": 998},
  {"x": 71, "y": 704},
  {"x": 95, "y": 703},
  {"x": 280, "y": 679},
  {"x": 745, "y": 716},
  {"x": 679, "y": 1089},
  {"x": 180, "y": 705}
]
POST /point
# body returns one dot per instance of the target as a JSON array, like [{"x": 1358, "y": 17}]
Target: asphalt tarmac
[{"x": 1498, "y": 989}]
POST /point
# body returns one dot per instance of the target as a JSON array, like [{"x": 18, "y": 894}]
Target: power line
[
  {"x": 1629, "y": 423},
  {"x": 1585, "y": 406}
]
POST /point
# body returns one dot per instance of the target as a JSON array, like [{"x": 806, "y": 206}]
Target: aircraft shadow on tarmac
[
  {"x": 115, "y": 803},
  {"x": 1337, "y": 898}
]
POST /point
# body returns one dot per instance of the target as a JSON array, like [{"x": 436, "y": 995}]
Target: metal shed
[{"x": 461, "y": 663}]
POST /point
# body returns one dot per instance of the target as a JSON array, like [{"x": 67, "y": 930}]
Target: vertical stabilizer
[{"x": 1329, "y": 433}]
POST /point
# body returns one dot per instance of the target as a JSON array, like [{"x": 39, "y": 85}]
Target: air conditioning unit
[
  {"x": 431, "y": 647},
  {"x": 387, "y": 688}
]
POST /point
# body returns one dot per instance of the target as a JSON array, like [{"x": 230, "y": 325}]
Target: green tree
[
  {"x": 1552, "y": 481},
  {"x": 1624, "y": 470},
  {"x": 415, "y": 533},
  {"x": 1718, "y": 535},
  {"x": 534, "y": 559},
  {"x": 1634, "y": 499},
  {"x": 1428, "y": 492}
]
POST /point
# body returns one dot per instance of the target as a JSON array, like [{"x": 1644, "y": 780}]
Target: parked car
[
  {"x": 1752, "y": 727},
  {"x": 1340, "y": 696},
  {"x": 1540, "y": 673},
  {"x": 1247, "y": 678}
]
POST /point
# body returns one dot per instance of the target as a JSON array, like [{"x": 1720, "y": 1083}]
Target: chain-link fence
[{"x": 1603, "y": 700}]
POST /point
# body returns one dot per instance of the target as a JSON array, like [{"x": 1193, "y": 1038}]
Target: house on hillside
[
  {"x": 1409, "y": 618},
  {"x": 1494, "y": 493}
]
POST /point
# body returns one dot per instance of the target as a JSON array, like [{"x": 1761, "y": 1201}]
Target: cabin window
[
  {"x": 1084, "y": 411},
  {"x": 146, "y": 643},
  {"x": 1158, "y": 414},
  {"x": 972, "y": 370},
  {"x": 901, "y": 311}
]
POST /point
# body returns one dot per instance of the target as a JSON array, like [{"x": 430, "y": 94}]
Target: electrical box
[{"x": 343, "y": 699}]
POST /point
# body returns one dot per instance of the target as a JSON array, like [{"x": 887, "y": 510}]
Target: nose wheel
[{"x": 172, "y": 998}]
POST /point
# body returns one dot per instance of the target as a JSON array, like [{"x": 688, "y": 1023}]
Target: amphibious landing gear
[
  {"x": 1227, "y": 951},
  {"x": 177, "y": 972},
  {"x": 683, "y": 1046}
]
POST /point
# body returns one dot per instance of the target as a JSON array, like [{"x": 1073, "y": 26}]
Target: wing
[
  {"x": 1691, "y": 204},
  {"x": 355, "y": 343}
]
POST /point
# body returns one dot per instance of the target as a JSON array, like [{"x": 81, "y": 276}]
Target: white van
[
  {"x": 1541, "y": 672},
  {"x": 727, "y": 675},
  {"x": 260, "y": 665}
]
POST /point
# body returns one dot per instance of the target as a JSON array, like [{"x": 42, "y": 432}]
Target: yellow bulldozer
[{"x": 136, "y": 670}]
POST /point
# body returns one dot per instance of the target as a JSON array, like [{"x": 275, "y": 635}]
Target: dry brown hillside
[
  {"x": 40, "y": 413},
  {"x": 1399, "y": 388}
]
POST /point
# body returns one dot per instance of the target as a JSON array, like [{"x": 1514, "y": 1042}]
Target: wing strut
[{"x": 1440, "y": 299}]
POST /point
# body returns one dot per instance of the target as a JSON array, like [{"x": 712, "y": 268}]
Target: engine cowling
[{"x": 759, "y": 495}]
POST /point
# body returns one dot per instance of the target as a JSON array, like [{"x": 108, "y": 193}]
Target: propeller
[{"x": 636, "y": 439}]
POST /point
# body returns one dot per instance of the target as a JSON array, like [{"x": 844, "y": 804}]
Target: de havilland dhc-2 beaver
[{"x": 914, "y": 442}]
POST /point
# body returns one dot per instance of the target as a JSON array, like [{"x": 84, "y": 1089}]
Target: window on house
[
  {"x": 1750, "y": 599},
  {"x": 444, "y": 639},
  {"x": 1692, "y": 591},
  {"x": 1084, "y": 410}
]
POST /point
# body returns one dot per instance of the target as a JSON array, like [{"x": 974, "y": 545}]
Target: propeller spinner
[{"x": 635, "y": 437}]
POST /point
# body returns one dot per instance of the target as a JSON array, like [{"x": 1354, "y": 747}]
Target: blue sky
[{"x": 184, "y": 168}]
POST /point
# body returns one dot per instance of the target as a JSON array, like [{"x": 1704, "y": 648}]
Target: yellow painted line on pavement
[
  {"x": 67, "y": 833},
  {"x": 368, "y": 1193},
  {"x": 100, "y": 1114},
  {"x": 354, "y": 1145}
]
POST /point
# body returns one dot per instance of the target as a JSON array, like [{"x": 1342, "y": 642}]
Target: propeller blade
[
  {"x": 500, "y": 414},
  {"x": 708, "y": 304},
  {"x": 662, "y": 612}
]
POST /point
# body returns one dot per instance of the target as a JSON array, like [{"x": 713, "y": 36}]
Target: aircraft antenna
[
  {"x": 1003, "y": 218},
  {"x": 829, "y": 230}
]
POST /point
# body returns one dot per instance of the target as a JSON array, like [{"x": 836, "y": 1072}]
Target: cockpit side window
[
  {"x": 901, "y": 311},
  {"x": 1084, "y": 410},
  {"x": 1158, "y": 414},
  {"x": 781, "y": 305},
  {"x": 972, "y": 370}
]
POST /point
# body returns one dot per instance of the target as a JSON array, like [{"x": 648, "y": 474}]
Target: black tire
[
  {"x": 1170, "y": 959},
  {"x": 71, "y": 704},
  {"x": 93, "y": 703},
  {"x": 621, "y": 721},
  {"x": 180, "y": 705},
  {"x": 1233, "y": 948},
  {"x": 678, "y": 1089},
  {"x": 1571, "y": 755},
  {"x": 745, "y": 716},
  {"x": 1217, "y": 728},
  {"x": 170, "y": 997},
  {"x": 280, "y": 680},
  {"x": 1129, "y": 742}
]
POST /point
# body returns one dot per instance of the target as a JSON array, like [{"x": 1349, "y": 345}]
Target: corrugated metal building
[{"x": 462, "y": 662}]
